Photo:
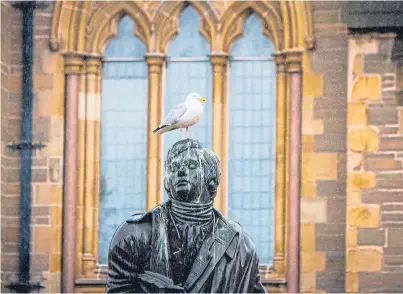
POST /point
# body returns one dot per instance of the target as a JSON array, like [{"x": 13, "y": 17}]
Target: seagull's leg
[
  {"x": 187, "y": 133},
  {"x": 180, "y": 131}
]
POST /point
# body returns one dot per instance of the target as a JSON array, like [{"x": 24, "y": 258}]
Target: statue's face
[{"x": 186, "y": 177}]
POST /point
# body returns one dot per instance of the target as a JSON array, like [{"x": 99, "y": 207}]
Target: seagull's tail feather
[{"x": 162, "y": 129}]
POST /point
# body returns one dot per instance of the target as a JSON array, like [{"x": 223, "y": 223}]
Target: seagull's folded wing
[{"x": 175, "y": 114}]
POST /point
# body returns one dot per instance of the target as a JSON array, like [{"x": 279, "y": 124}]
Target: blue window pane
[
  {"x": 123, "y": 135},
  {"x": 251, "y": 154},
  {"x": 125, "y": 44},
  {"x": 189, "y": 42},
  {"x": 252, "y": 43},
  {"x": 186, "y": 76}
]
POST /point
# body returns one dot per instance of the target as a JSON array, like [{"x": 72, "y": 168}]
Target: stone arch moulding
[
  {"x": 73, "y": 31},
  {"x": 234, "y": 17},
  {"x": 287, "y": 24},
  {"x": 166, "y": 16}
]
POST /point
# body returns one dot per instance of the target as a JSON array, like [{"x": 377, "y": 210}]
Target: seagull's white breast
[{"x": 192, "y": 114}]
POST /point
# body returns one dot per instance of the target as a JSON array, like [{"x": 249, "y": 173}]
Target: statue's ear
[
  {"x": 212, "y": 187},
  {"x": 166, "y": 186}
]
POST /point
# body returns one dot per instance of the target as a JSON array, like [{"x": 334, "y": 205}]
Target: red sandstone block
[
  {"x": 382, "y": 164},
  {"x": 395, "y": 237},
  {"x": 391, "y": 143},
  {"x": 381, "y": 115},
  {"x": 376, "y": 196}
]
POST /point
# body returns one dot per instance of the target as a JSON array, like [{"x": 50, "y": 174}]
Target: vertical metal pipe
[
  {"x": 70, "y": 184},
  {"x": 25, "y": 143},
  {"x": 294, "y": 183}
]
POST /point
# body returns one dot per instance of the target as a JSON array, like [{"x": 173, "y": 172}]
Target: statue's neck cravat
[{"x": 192, "y": 213}]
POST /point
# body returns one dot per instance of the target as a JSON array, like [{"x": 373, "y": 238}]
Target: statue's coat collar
[{"x": 216, "y": 244}]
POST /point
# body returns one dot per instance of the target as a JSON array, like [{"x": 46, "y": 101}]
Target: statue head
[{"x": 191, "y": 172}]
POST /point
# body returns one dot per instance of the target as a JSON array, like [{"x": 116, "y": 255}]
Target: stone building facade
[{"x": 351, "y": 70}]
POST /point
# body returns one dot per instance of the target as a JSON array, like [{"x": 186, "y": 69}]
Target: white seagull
[{"x": 183, "y": 115}]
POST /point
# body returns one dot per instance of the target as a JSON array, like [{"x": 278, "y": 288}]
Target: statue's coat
[{"x": 226, "y": 263}]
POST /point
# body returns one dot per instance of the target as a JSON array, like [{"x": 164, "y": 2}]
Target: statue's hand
[{"x": 162, "y": 283}]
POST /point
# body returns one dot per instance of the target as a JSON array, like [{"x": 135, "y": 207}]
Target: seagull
[{"x": 183, "y": 115}]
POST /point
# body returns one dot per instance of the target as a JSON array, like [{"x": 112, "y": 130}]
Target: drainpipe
[{"x": 23, "y": 283}]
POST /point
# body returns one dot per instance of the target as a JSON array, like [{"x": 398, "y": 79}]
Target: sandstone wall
[
  {"x": 47, "y": 163},
  {"x": 374, "y": 244}
]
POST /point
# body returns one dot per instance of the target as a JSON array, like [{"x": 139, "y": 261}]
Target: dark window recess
[{"x": 374, "y": 16}]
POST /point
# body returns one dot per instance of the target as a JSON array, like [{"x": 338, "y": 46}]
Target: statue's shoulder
[
  {"x": 234, "y": 225},
  {"x": 137, "y": 226},
  {"x": 241, "y": 240},
  {"x": 145, "y": 217},
  {"x": 243, "y": 236},
  {"x": 136, "y": 218}
]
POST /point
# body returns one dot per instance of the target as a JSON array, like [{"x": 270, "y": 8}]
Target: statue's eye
[
  {"x": 192, "y": 165},
  {"x": 174, "y": 167}
]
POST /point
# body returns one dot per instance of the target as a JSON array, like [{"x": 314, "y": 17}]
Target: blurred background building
[{"x": 105, "y": 73}]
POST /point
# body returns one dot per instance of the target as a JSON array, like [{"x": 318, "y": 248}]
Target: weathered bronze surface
[{"x": 184, "y": 245}]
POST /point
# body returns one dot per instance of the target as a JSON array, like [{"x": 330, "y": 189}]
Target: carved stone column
[
  {"x": 280, "y": 181},
  {"x": 294, "y": 70},
  {"x": 154, "y": 173},
  {"x": 81, "y": 170},
  {"x": 220, "y": 137},
  {"x": 73, "y": 65},
  {"x": 91, "y": 170}
]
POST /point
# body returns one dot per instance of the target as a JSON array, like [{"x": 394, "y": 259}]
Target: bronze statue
[{"x": 184, "y": 245}]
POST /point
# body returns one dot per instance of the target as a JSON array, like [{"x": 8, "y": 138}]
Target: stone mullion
[
  {"x": 294, "y": 136},
  {"x": 280, "y": 191},
  {"x": 97, "y": 153},
  {"x": 80, "y": 171},
  {"x": 91, "y": 173},
  {"x": 154, "y": 173},
  {"x": 73, "y": 71},
  {"x": 219, "y": 128}
]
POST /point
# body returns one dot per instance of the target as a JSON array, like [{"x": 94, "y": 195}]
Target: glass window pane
[
  {"x": 186, "y": 76},
  {"x": 252, "y": 43},
  {"x": 189, "y": 42},
  {"x": 123, "y": 135},
  {"x": 251, "y": 154}
]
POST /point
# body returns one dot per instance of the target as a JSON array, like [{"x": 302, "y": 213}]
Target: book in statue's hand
[{"x": 161, "y": 282}]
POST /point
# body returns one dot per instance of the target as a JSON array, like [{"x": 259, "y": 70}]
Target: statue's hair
[{"x": 210, "y": 163}]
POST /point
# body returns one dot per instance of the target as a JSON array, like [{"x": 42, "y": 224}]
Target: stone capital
[
  {"x": 73, "y": 64},
  {"x": 279, "y": 59},
  {"x": 155, "y": 59},
  {"x": 293, "y": 59},
  {"x": 219, "y": 58},
  {"x": 93, "y": 65},
  {"x": 155, "y": 62}
]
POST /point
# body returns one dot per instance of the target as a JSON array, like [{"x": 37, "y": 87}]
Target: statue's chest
[{"x": 184, "y": 245}]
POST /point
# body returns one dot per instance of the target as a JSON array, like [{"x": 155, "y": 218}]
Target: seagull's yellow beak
[{"x": 202, "y": 99}]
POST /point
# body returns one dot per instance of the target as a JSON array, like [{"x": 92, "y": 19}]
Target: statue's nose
[{"x": 182, "y": 171}]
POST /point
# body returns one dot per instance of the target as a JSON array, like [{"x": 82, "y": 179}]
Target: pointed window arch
[
  {"x": 188, "y": 69},
  {"x": 251, "y": 136},
  {"x": 123, "y": 133}
]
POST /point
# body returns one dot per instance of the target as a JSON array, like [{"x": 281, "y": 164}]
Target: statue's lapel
[
  {"x": 159, "y": 242},
  {"x": 213, "y": 248}
]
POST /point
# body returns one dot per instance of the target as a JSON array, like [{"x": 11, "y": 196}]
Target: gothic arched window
[
  {"x": 251, "y": 131},
  {"x": 123, "y": 133},
  {"x": 188, "y": 69}
]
